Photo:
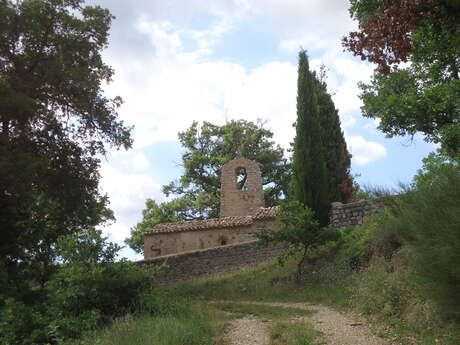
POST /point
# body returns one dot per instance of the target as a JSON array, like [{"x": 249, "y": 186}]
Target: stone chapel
[{"x": 242, "y": 214}]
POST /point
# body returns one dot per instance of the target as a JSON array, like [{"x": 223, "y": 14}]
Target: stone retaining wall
[
  {"x": 355, "y": 213},
  {"x": 208, "y": 262},
  {"x": 230, "y": 258}
]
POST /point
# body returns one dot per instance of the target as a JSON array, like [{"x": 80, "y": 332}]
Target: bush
[
  {"x": 22, "y": 324},
  {"x": 299, "y": 231},
  {"x": 88, "y": 288},
  {"x": 358, "y": 244},
  {"x": 377, "y": 290},
  {"x": 428, "y": 219}
]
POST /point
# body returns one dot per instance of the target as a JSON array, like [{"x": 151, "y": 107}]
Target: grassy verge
[
  {"x": 289, "y": 333},
  {"x": 190, "y": 328},
  {"x": 272, "y": 284},
  {"x": 269, "y": 283},
  {"x": 261, "y": 310}
]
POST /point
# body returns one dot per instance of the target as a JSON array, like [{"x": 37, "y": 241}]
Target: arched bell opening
[{"x": 241, "y": 179}]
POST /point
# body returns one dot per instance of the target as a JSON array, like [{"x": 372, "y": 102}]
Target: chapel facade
[{"x": 242, "y": 214}]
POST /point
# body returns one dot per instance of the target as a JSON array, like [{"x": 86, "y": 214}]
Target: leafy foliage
[
  {"x": 54, "y": 119},
  {"x": 409, "y": 100},
  {"x": 435, "y": 165},
  {"x": 153, "y": 214},
  {"x": 88, "y": 288},
  {"x": 428, "y": 219},
  {"x": 207, "y": 148},
  {"x": 299, "y": 231},
  {"x": 423, "y": 97},
  {"x": 386, "y": 26},
  {"x": 358, "y": 244},
  {"x": 90, "y": 282}
]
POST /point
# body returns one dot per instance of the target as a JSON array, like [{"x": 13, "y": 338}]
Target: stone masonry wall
[
  {"x": 208, "y": 262},
  {"x": 237, "y": 202},
  {"x": 352, "y": 214},
  {"x": 230, "y": 258}
]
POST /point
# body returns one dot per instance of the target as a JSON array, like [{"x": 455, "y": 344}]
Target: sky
[{"x": 179, "y": 61}]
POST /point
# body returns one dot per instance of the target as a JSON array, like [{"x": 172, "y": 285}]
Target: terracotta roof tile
[
  {"x": 215, "y": 223},
  {"x": 266, "y": 212}
]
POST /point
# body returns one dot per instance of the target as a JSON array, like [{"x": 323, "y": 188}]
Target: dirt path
[
  {"x": 247, "y": 331},
  {"x": 337, "y": 328}
]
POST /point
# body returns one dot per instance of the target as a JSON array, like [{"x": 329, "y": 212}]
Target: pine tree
[{"x": 310, "y": 180}]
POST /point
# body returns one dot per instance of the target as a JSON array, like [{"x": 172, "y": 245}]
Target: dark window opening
[{"x": 241, "y": 179}]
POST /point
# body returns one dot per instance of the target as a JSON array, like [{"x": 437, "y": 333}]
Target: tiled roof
[
  {"x": 266, "y": 212},
  {"x": 215, "y": 223}
]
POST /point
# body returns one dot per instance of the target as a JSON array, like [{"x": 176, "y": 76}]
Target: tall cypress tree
[
  {"x": 321, "y": 162},
  {"x": 337, "y": 157},
  {"x": 310, "y": 180}
]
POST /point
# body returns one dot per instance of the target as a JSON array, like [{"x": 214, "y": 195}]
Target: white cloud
[
  {"x": 183, "y": 88},
  {"x": 127, "y": 192},
  {"x": 162, "y": 35},
  {"x": 166, "y": 90},
  {"x": 268, "y": 93},
  {"x": 314, "y": 24},
  {"x": 133, "y": 161},
  {"x": 351, "y": 72},
  {"x": 363, "y": 151}
]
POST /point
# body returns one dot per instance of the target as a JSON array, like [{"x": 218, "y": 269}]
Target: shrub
[
  {"x": 377, "y": 290},
  {"x": 358, "y": 244},
  {"x": 428, "y": 219},
  {"x": 22, "y": 324},
  {"x": 89, "y": 286},
  {"x": 299, "y": 232}
]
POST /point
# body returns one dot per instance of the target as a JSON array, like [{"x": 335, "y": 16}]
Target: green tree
[
  {"x": 153, "y": 214},
  {"x": 207, "y": 148},
  {"x": 54, "y": 120},
  {"x": 424, "y": 96},
  {"x": 338, "y": 159},
  {"x": 310, "y": 175},
  {"x": 91, "y": 286},
  {"x": 435, "y": 165},
  {"x": 299, "y": 231}
]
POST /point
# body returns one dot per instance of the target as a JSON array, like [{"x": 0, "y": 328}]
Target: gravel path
[
  {"x": 337, "y": 328},
  {"x": 247, "y": 331}
]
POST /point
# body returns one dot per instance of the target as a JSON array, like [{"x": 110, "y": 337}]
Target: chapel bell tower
[{"x": 241, "y": 191}]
